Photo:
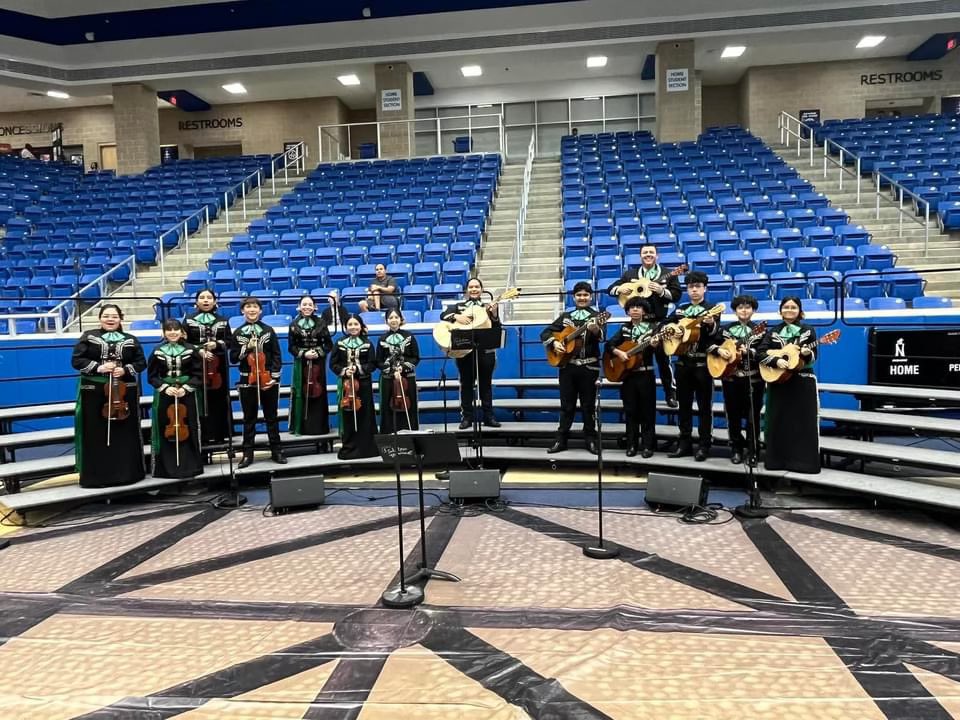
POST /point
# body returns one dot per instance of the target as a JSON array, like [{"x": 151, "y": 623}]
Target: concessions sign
[{"x": 916, "y": 358}]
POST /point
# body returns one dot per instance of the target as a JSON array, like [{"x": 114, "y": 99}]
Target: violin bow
[
  {"x": 176, "y": 426},
  {"x": 398, "y": 365},
  {"x": 352, "y": 357},
  {"x": 109, "y": 400}
]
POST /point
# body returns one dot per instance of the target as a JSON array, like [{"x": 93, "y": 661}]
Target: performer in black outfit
[
  {"x": 793, "y": 423},
  {"x": 397, "y": 354},
  {"x": 693, "y": 380},
  {"x": 353, "y": 359},
  {"x": 468, "y": 366},
  {"x": 745, "y": 384},
  {"x": 666, "y": 289},
  {"x": 256, "y": 342},
  {"x": 209, "y": 332},
  {"x": 638, "y": 391},
  {"x": 175, "y": 370},
  {"x": 309, "y": 342},
  {"x": 578, "y": 378},
  {"x": 99, "y": 355}
]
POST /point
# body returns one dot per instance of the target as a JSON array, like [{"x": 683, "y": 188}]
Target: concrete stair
[
  {"x": 539, "y": 273},
  {"x": 138, "y": 298},
  {"x": 905, "y": 238}
]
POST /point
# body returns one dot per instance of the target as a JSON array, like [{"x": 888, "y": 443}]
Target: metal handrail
[
  {"x": 843, "y": 168},
  {"x": 899, "y": 191},
  {"x": 522, "y": 214},
  {"x": 56, "y": 312},
  {"x": 783, "y": 124},
  {"x": 438, "y": 130}
]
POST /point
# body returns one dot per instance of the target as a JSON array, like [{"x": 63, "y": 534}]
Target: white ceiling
[{"x": 529, "y": 64}]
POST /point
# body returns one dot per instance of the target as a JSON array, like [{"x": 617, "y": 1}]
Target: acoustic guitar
[
  {"x": 641, "y": 286},
  {"x": 791, "y": 353},
  {"x": 479, "y": 320},
  {"x": 720, "y": 368},
  {"x": 680, "y": 336},
  {"x": 570, "y": 337},
  {"x": 615, "y": 369}
]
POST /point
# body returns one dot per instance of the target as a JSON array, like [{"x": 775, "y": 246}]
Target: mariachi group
[
  {"x": 189, "y": 374},
  {"x": 756, "y": 363}
]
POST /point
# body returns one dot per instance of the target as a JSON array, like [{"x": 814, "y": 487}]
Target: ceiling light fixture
[
  {"x": 59, "y": 94},
  {"x": 235, "y": 88},
  {"x": 471, "y": 71},
  {"x": 350, "y": 79},
  {"x": 870, "y": 41},
  {"x": 597, "y": 61},
  {"x": 733, "y": 51}
]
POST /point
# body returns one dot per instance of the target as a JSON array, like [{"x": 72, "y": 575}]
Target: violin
[
  {"x": 258, "y": 374},
  {"x": 177, "y": 428},
  {"x": 211, "y": 368},
  {"x": 116, "y": 407},
  {"x": 400, "y": 398},
  {"x": 350, "y": 400},
  {"x": 314, "y": 382}
]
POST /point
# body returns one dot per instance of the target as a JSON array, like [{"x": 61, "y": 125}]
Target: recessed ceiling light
[
  {"x": 733, "y": 51},
  {"x": 869, "y": 41},
  {"x": 59, "y": 94},
  {"x": 471, "y": 71},
  {"x": 235, "y": 88},
  {"x": 595, "y": 61},
  {"x": 350, "y": 79}
]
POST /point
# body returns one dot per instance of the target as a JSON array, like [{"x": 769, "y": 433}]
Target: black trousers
[
  {"x": 578, "y": 383},
  {"x": 693, "y": 381},
  {"x": 736, "y": 400},
  {"x": 248, "y": 402},
  {"x": 467, "y": 367},
  {"x": 665, "y": 369},
  {"x": 639, "y": 395}
]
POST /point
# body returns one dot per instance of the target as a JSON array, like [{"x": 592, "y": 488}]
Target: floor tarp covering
[{"x": 164, "y": 610}]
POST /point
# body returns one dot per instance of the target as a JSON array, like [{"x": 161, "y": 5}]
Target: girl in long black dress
[
  {"x": 353, "y": 358},
  {"x": 175, "y": 371},
  {"x": 209, "y": 332},
  {"x": 309, "y": 342},
  {"x": 792, "y": 421},
  {"x": 397, "y": 355},
  {"x": 109, "y": 451}
]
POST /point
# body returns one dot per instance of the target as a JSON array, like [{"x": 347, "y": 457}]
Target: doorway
[{"x": 108, "y": 157}]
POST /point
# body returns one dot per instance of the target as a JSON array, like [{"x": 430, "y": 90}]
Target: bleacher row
[
  {"x": 921, "y": 153},
  {"x": 64, "y": 229},
  {"x": 422, "y": 218},
  {"x": 726, "y": 205}
]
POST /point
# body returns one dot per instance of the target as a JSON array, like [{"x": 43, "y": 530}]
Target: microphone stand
[
  {"x": 752, "y": 508},
  {"x": 599, "y": 551}
]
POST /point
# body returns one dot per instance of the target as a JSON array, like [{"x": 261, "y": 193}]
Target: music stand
[
  {"x": 416, "y": 449},
  {"x": 403, "y": 595},
  {"x": 477, "y": 340}
]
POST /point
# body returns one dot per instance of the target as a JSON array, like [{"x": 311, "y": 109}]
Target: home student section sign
[
  {"x": 391, "y": 100},
  {"x": 678, "y": 80}
]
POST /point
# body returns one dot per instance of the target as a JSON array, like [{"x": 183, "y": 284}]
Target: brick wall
[
  {"x": 721, "y": 105},
  {"x": 137, "y": 128},
  {"x": 265, "y": 125},
  {"x": 87, "y": 126},
  {"x": 836, "y": 88}
]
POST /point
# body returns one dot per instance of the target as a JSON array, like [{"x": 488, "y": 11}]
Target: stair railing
[
  {"x": 844, "y": 154},
  {"x": 897, "y": 195},
  {"x": 522, "y": 216},
  {"x": 792, "y": 127}
]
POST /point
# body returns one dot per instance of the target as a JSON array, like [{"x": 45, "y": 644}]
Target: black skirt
[
  {"x": 120, "y": 462},
  {"x": 793, "y": 425}
]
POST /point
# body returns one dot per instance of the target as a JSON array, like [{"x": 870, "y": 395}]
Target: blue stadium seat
[
  {"x": 825, "y": 284},
  {"x": 849, "y": 303},
  {"x": 708, "y": 262},
  {"x": 417, "y": 297},
  {"x": 903, "y": 285},
  {"x": 456, "y": 271},
  {"x": 887, "y": 303},
  {"x": 756, "y": 284},
  {"x": 842, "y": 258},
  {"x": 931, "y": 302},
  {"x": 736, "y": 262},
  {"x": 805, "y": 259},
  {"x": 770, "y": 260},
  {"x": 865, "y": 284},
  {"x": 785, "y": 284},
  {"x": 876, "y": 257}
]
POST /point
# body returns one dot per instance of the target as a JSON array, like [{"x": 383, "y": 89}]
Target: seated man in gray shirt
[{"x": 383, "y": 292}]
